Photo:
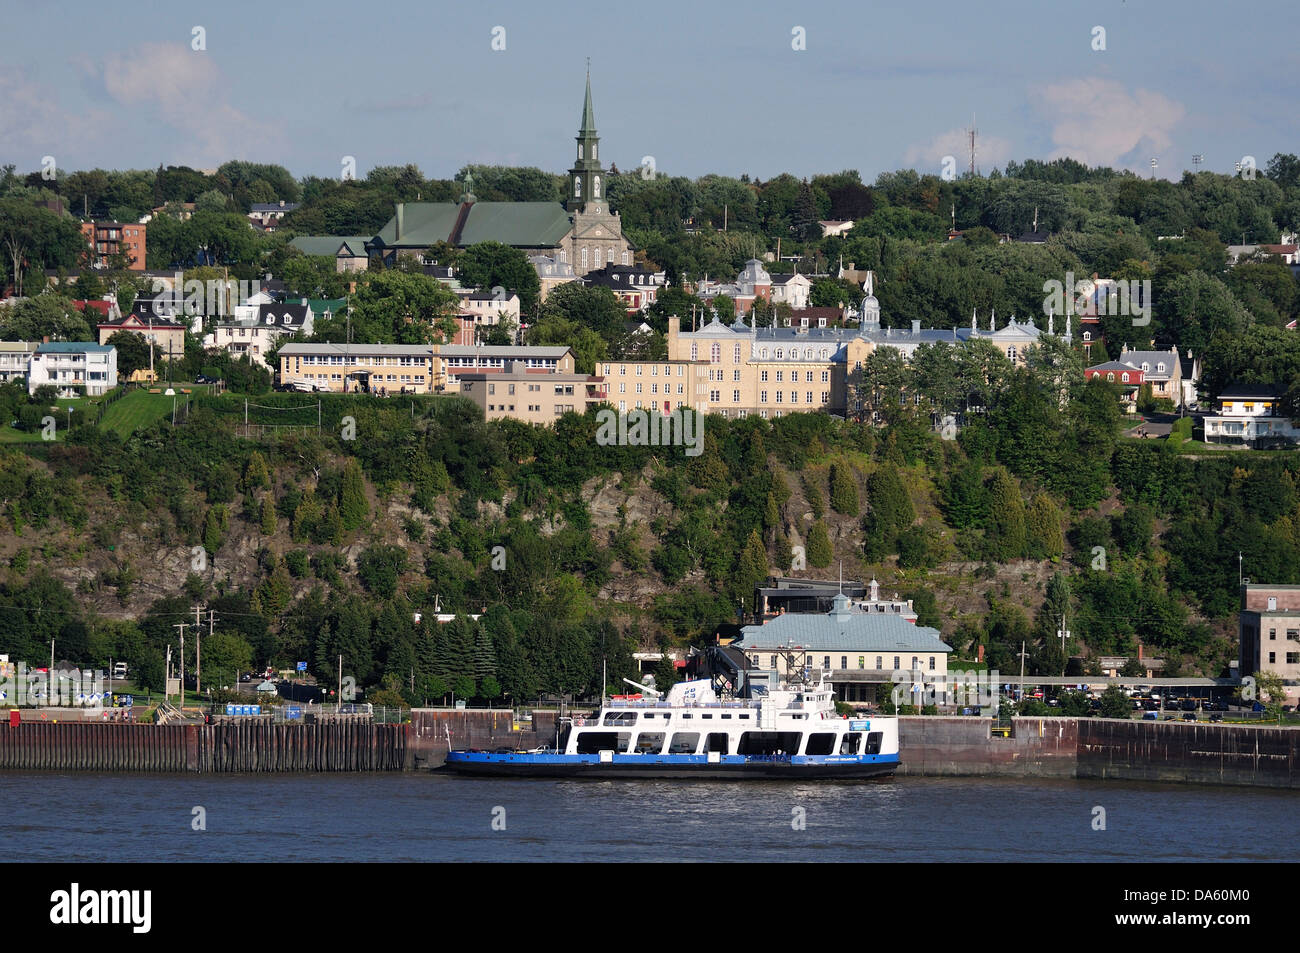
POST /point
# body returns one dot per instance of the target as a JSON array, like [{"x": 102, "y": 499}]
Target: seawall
[
  {"x": 1101, "y": 748},
  {"x": 930, "y": 746},
  {"x": 205, "y": 749}
]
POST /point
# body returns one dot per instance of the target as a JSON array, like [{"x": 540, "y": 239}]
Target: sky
[{"x": 724, "y": 87}]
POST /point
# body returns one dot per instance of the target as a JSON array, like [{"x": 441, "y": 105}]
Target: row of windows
[
  {"x": 794, "y": 377},
  {"x": 756, "y": 661},
  {"x": 750, "y": 742},
  {"x": 654, "y": 388},
  {"x": 1292, "y": 658},
  {"x": 339, "y": 360},
  {"x": 794, "y": 396},
  {"x": 622, "y": 405}
]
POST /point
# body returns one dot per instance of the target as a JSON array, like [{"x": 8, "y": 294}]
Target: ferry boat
[{"x": 784, "y": 731}]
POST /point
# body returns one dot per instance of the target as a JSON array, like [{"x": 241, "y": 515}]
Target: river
[{"x": 424, "y": 817}]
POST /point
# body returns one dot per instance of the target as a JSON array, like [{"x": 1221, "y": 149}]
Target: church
[{"x": 582, "y": 231}]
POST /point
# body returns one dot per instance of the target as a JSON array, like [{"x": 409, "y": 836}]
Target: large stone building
[
  {"x": 736, "y": 370},
  {"x": 583, "y": 231}
]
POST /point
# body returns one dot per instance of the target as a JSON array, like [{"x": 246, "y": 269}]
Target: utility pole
[
  {"x": 212, "y": 621},
  {"x": 198, "y": 635},
  {"x": 340, "y": 695},
  {"x": 1022, "y": 671},
  {"x": 181, "y": 626}
]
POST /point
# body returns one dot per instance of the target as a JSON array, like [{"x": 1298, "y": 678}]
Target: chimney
[
  {"x": 1139, "y": 651},
  {"x": 979, "y": 654},
  {"x": 916, "y": 326}
]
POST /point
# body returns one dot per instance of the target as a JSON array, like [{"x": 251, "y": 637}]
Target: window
[
  {"x": 808, "y": 376},
  {"x": 880, "y": 662},
  {"x": 826, "y": 661},
  {"x": 695, "y": 351},
  {"x": 821, "y": 743},
  {"x": 932, "y": 663},
  {"x": 650, "y": 742},
  {"x": 735, "y": 355},
  {"x": 780, "y": 376},
  {"x": 850, "y": 743},
  {"x": 593, "y": 742},
  {"x": 844, "y": 661},
  {"x": 735, "y": 397},
  {"x": 773, "y": 660},
  {"x": 762, "y": 376},
  {"x": 620, "y": 718},
  {"x": 762, "y": 399},
  {"x": 1272, "y": 657},
  {"x": 684, "y": 742},
  {"x": 896, "y": 661}
]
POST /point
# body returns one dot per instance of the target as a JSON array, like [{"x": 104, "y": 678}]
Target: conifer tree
[
  {"x": 268, "y": 516},
  {"x": 820, "y": 552},
  {"x": 353, "y": 508},
  {"x": 1006, "y": 524},
  {"x": 844, "y": 490}
]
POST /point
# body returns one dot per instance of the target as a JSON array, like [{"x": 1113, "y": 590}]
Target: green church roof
[{"x": 521, "y": 224}]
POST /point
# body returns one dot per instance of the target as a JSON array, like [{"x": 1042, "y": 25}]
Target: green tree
[
  {"x": 844, "y": 490},
  {"x": 489, "y": 265},
  {"x": 1006, "y": 525},
  {"x": 353, "y": 508},
  {"x": 820, "y": 552},
  {"x": 1116, "y": 704}
]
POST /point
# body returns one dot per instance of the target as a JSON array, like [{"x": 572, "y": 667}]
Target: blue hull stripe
[{"x": 527, "y": 758}]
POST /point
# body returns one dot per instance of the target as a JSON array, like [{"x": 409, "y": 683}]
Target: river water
[{"x": 424, "y": 817}]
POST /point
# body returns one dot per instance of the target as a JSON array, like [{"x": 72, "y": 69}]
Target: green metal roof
[{"x": 521, "y": 224}]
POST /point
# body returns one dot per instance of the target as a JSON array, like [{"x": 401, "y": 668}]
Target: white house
[
  {"x": 74, "y": 367},
  {"x": 1249, "y": 415},
  {"x": 791, "y": 289},
  {"x": 256, "y": 328}
]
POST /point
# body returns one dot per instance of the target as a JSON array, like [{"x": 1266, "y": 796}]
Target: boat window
[
  {"x": 769, "y": 742},
  {"x": 719, "y": 742},
  {"x": 684, "y": 742},
  {"x": 849, "y": 743},
  {"x": 821, "y": 743},
  {"x": 620, "y": 718},
  {"x": 874, "y": 740},
  {"x": 687, "y": 715},
  {"x": 726, "y": 717},
  {"x": 706, "y": 716},
  {"x": 593, "y": 742},
  {"x": 650, "y": 742}
]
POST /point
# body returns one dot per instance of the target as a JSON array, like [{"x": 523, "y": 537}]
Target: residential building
[
  {"x": 855, "y": 650},
  {"x": 252, "y": 336},
  {"x": 793, "y": 290},
  {"x": 1163, "y": 370},
  {"x": 266, "y": 216},
  {"x": 551, "y": 273},
  {"x": 74, "y": 367},
  {"x": 530, "y": 397},
  {"x": 348, "y": 251},
  {"x": 583, "y": 232},
  {"x": 1127, "y": 377},
  {"x": 153, "y": 318},
  {"x": 1268, "y": 632},
  {"x": 16, "y": 359},
  {"x": 636, "y": 286},
  {"x": 1251, "y": 416},
  {"x": 488, "y": 308},
  {"x": 111, "y": 238}
]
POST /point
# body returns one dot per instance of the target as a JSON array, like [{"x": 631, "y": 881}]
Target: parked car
[
  {"x": 306, "y": 387},
  {"x": 205, "y": 379}
]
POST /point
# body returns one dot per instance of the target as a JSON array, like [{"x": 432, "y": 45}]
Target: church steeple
[{"x": 586, "y": 178}]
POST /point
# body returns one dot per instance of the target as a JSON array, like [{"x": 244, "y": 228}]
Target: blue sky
[{"x": 700, "y": 87}]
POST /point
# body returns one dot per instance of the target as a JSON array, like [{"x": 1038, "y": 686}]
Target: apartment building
[
  {"x": 411, "y": 368},
  {"x": 16, "y": 359},
  {"x": 74, "y": 367},
  {"x": 110, "y": 238},
  {"x": 1268, "y": 630},
  {"x": 532, "y": 398}
]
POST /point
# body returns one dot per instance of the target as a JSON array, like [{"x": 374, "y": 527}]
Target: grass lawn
[{"x": 137, "y": 409}]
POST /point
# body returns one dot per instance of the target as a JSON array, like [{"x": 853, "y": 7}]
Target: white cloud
[
  {"x": 990, "y": 151},
  {"x": 185, "y": 90},
  {"x": 1098, "y": 122}
]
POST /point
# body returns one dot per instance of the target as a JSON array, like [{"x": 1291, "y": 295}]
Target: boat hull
[{"x": 523, "y": 765}]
